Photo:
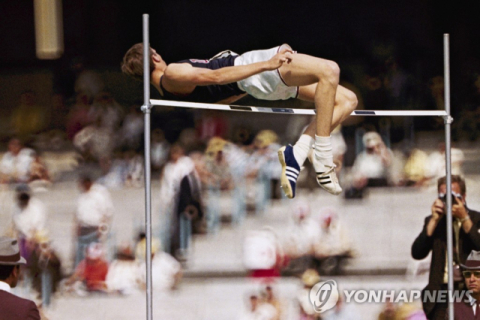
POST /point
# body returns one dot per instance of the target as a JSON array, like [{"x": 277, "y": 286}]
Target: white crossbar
[{"x": 226, "y": 107}]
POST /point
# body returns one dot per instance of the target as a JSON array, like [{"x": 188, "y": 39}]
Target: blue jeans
[{"x": 83, "y": 241}]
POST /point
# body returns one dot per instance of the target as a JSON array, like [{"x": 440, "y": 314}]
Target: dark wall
[{"x": 349, "y": 31}]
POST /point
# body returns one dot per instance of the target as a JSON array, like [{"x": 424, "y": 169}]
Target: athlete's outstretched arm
[{"x": 185, "y": 74}]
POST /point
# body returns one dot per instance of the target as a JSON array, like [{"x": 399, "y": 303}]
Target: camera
[{"x": 443, "y": 197}]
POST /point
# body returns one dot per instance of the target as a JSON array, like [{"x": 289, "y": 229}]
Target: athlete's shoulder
[{"x": 174, "y": 69}]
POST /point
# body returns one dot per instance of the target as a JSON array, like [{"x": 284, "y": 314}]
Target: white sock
[
  {"x": 323, "y": 152},
  {"x": 302, "y": 147}
]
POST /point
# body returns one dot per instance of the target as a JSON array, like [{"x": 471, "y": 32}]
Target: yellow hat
[
  {"x": 142, "y": 247},
  {"x": 215, "y": 145},
  {"x": 264, "y": 138},
  {"x": 310, "y": 277},
  {"x": 41, "y": 236}
]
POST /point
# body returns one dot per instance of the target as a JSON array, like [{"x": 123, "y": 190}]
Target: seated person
[
  {"x": 123, "y": 273},
  {"x": 166, "y": 270},
  {"x": 372, "y": 167},
  {"x": 16, "y": 162},
  {"x": 91, "y": 272}
]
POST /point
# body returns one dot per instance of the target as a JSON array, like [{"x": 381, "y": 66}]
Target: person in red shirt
[{"x": 91, "y": 271}]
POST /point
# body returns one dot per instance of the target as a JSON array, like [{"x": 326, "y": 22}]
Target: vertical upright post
[
  {"x": 448, "y": 121},
  {"x": 148, "y": 183}
]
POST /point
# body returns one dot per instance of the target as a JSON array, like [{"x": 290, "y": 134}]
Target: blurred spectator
[
  {"x": 218, "y": 180},
  {"x": 28, "y": 118},
  {"x": 263, "y": 168},
  {"x": 190, "y": 140},
  {"x": 415, "y": 168},
  {"x": 334, "y": 244},
  {"x": 39, "y": 175},
  {"x": 87, "y": 81},
  {"x": 257, "y": 310},
  {"x": 29, "y": 219},
  {"x": 16, "y": 163},
  {"x": 410, "y": 311},
  {"x": 306, "y": 311},
  {"x": 166, "y": 270},
  {"x": 301, "y": 236},
  {"x": 113, "y": 170},
  {"x": 263, "y": 254},
  {"x": 44, "y": 267},
  {"x": 388, "y": 312},
  {"x": 131, "y": 131},
  {"x": 235, "y": 162},
  {"x": 79, "y": 115},
  {"x": 342, "y": 311},
  {"x": 238, "y": 161},
  {"x": 436, "y": 162},
  {"x": 95, "y": 142},
  {"x": 268, "y": 296},
  {"x": 159, "y": 149},
  {"x": 372, "y": 167},
  {"x": 109, "y": 112},
  {"x": 93, "y": 216},
  {"x": 179, "y": 189},
  {"x": 242, "y": 135},
  {"x": 123, "y": 273},
  {"x": 90, "y": 274},
  {"x": 134, "y": 169}
]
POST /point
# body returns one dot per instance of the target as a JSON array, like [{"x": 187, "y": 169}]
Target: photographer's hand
[
  {"x": 460, "y": 212},
  {"x": 438, "y": 211}
]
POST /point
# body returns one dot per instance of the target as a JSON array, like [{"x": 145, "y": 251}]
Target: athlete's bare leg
[
  {"x": 318, "y": 81},
  {"x": 345, "y": 103}
]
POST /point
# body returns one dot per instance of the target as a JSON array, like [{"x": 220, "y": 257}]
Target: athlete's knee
[
  {"x": 351, "y": 100},
  {"x": 330, "y": 72}
]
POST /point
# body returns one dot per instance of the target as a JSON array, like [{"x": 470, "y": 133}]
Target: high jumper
[{"x": 277, "y": 73}]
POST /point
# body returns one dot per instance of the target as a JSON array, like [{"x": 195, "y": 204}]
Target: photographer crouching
[{"x": 466, "y": 237}]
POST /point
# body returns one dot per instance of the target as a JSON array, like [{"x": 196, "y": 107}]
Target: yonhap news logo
[{"x": 324, "y": 295}]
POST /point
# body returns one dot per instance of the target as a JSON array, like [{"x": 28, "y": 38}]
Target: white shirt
[
  {"x": 473, "y": 303},
  {"x": 31, "y": 219},
  {"x": 371, "y": 165},
  {"x": 164, "y": 271},
  {"x": 122, "y": 276},
  {"x": 173, "y": 174},
  {"x": 5, "y": 287},
  {"x": 302, "y": 236},
  {"x": 18, "y": 166},
  {"x": 436, "y": 163},
  {"x": 94, "y": 206}
]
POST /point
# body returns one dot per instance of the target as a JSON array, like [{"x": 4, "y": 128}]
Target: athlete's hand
[{"x": 284, "y": 56}]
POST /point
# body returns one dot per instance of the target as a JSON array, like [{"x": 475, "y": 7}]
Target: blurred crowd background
[{"x": 78, "y": 120}]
